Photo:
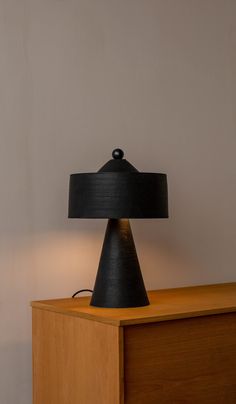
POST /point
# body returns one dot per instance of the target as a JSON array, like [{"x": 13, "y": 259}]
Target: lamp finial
[{"x": 117, "y": 154}]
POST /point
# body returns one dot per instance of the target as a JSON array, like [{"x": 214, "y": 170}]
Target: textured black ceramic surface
[
  {"x": 119, "y": 281},
  {"x": 116, "y": 165},
  {"x": 118, "y": 191},
  {"x": 118, "y": 195}
]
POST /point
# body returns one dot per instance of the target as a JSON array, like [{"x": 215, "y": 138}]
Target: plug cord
[{"x": 80, "y": 291}]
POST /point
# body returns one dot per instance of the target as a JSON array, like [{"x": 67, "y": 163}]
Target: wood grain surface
[
  {"x": 76, "y": 361},
  {"x": 165, "y": 305},
  {"x": 188, "y": 361}
]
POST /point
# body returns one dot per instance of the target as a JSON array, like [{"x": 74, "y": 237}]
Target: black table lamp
[{"x": 118, "y": 191}]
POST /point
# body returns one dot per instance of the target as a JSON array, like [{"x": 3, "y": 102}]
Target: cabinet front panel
[{"x": 190, "y": 361}]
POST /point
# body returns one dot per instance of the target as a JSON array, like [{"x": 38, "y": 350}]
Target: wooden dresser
[{"x": 180, "y": 349}]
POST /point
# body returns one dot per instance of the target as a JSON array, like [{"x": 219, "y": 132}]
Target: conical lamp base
[{"x": 119, "y": 281}]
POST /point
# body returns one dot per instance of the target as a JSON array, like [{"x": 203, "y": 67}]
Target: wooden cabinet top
[{"x": 165, "y": 304}]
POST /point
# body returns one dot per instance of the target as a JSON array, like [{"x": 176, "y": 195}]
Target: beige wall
[{"x": 78, "y": 78}]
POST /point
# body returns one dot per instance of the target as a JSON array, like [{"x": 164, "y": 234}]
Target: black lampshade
[{"x": 118, "y": 190}]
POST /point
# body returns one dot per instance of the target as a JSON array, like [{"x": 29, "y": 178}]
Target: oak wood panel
[
  {"x": 190, "y": 361},
  {"x": 76, "y": 361},
  {"x": 165, "y": 305}
]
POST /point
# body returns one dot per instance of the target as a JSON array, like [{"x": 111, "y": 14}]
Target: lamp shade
[{"x": 118, "y": 190}]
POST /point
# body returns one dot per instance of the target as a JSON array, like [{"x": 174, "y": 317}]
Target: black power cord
[{"x": 82, "y": 290}]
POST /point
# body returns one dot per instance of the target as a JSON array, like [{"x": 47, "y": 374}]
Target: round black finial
[{"x": 117, "y": 154}]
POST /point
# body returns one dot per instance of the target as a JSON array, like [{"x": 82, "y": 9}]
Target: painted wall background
[{"x": 78, "y": 78}]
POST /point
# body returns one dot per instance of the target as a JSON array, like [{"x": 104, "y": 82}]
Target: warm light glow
[{"x": 55, "y": 264}]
